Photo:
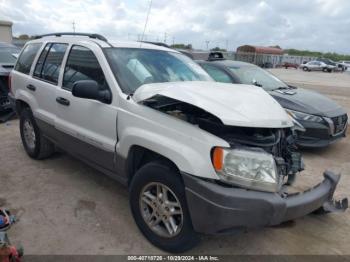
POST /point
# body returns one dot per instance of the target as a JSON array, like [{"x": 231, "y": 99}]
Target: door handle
[
  {"x": 31, "y": 87},
  {"x": 62, "y": 101}
]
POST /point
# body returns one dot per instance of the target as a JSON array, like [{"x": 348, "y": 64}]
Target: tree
[
  {"x": 23, "y": 37},
  {"x": 182, "y": 46},
  {"x": 332, "y": 56},
  {"x": 275, "y": 46},
  {"x": 218, "y": 49}
]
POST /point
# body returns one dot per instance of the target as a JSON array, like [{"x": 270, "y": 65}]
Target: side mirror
[{"x": 89, "y": 89}]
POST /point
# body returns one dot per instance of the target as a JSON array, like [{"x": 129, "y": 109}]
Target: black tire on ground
[
  {"x": 159, "y": 172},
  {"x": 305, "y": 68},
  {"x": 43, "y": 148}
]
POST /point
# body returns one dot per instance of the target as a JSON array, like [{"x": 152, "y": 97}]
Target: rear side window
[
  {"x": 49, "y": 63},
  {"x": 217, "y": 74},
  {"x": 82, "y": 64},
  {"x": 26, "y": 58}
]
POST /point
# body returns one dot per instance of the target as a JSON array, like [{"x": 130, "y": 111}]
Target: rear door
[
  {"x": 45, "y": 79},
  {"x": 21, "y": 75},
  {"x": 87, "y": 127}
]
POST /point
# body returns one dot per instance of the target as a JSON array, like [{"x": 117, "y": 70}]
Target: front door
[{"x": 87, "y": 127}]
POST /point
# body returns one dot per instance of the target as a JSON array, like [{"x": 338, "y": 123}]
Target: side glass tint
[
  {"x": 82, "y": 64},
  {"x": 24, "y": 62}
]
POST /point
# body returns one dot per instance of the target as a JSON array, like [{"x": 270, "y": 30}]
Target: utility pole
[
  {"x": 207, "y": 43},
  {"x": 165, "y": 37},
  {"x": 226, "y": 45},
  {"x": 73, "y": 24}
]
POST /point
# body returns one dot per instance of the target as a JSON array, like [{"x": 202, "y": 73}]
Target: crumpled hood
[
  {"x": 242, "y": 105},
  {"x": 308, "y": 102}
]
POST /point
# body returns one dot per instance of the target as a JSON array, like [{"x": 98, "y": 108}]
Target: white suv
[{"x": 197, "y": 156}]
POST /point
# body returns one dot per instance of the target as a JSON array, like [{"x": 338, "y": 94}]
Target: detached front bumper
[{"x": 216, "y": 209}]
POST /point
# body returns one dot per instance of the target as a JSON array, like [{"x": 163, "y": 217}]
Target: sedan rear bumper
[{"x": 218, "y": 209}]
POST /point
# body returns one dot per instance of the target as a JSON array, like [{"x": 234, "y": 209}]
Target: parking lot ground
[{"x": 66, "y": 207}]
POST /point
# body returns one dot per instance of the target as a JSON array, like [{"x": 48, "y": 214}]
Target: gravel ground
[{"x": 65, "y": 207}]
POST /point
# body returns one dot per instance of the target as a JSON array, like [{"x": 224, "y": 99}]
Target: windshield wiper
[
  {"x": 257, "y": 84},
  {"x": 282, "y": 88},
  {"x": 129, "y": 96}
]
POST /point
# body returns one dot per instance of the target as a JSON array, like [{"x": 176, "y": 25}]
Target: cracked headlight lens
[
  {"x": 247, "y": 168},
  {"x": 303, "y": 116}
]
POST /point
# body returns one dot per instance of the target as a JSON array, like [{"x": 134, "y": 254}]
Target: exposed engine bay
[{"x": 280, "y": 142}]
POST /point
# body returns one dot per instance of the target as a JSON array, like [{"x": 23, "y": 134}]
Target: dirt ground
[{"x": 66, "y": 207}]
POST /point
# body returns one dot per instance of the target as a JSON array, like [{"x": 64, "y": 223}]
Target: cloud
[{"x": 305, "y": 24}]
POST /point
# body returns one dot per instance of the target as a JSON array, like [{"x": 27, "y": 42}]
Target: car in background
[
  {"x": 331, "y": 63},
  {"x": 286, "y": 65},
  {"x": 8, "y": 57},
  {"x": 346, "y": 64},
  {"x": 317, "y": 66},
  {"x": 324, "y": 121}
]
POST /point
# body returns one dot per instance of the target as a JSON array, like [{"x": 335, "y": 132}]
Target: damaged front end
[{"x": 279, "y": 142}]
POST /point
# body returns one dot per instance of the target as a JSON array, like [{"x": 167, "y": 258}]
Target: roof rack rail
[
  {"x": 155, "y": 43},
  {"x": 95, "y": 36}
]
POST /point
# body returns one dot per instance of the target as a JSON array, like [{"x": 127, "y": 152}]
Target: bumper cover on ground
[{"x": 218, "y": 209}]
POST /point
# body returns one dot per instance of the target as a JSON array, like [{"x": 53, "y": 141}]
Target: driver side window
[{"x": 82, "y": 64}]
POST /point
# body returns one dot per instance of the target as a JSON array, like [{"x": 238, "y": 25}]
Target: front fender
[{"x": 188, "y": 146}]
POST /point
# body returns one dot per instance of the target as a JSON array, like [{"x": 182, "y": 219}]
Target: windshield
[
  {"x": 8, "y": 54},
  {"x": 255, "y": 75},
  {"x": 134, "y": 67}
]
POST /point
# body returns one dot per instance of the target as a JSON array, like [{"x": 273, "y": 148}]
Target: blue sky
[{"x": 321, "y": 25}]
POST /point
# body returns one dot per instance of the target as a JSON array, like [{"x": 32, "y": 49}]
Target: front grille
[{"x": 339, "y": 123}]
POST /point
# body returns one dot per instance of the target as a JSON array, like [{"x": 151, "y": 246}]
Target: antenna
[
  {"x": 165, "y": 37},
  {"x": 144, "y": 29}
]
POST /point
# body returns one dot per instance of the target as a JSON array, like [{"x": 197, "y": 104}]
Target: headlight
[
  {"x": 247, "y": 168},
  {"x": 303, "y": 116}
]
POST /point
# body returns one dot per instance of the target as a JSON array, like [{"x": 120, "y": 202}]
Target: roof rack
[
  {"x": 95, "y": 36},
  {"x": 156, "y": 43}
]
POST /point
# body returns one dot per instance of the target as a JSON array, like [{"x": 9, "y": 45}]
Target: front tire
[
  {"x": 35, "y": 144},
  {"x": 158, "y": 204},
  {"x": 305, "y": 69}
]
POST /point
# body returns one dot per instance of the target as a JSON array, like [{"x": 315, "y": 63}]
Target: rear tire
[
  {"x": 160, "y": 176},
  {"x": 35, "y": 144}
]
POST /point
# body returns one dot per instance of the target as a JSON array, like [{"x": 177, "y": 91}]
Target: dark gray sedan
[{"x": 324, "y": 120}]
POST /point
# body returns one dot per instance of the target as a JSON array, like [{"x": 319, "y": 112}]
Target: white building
[{"x": 5, "y": 31}]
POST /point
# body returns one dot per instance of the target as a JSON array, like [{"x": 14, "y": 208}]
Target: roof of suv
[{"x": 80, "y": 39}]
